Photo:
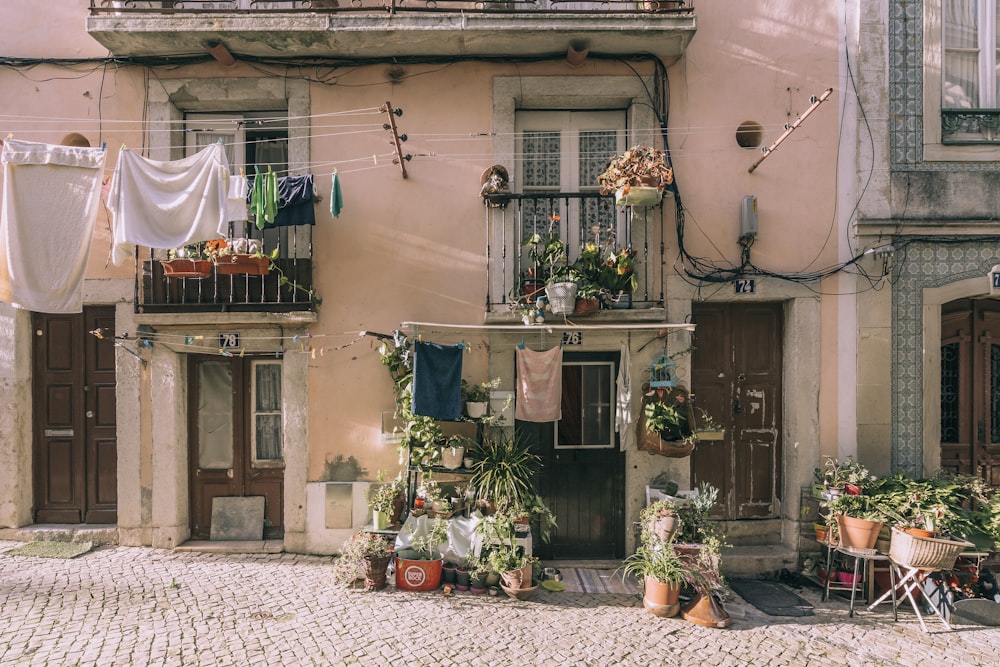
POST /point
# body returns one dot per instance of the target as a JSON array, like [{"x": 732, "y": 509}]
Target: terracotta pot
[
  {"x": 186, "y": 268},
  {"x": 228, "y": 265},
  {"x": 517, "y": 578},
  {"x": 661, "y": 598},
  {"x": 857, "y": 533},
  {"x": 664, "y": 525},
  {"x": 919, "y": 532},
  {"x": 586, "y": 307},
  {"x": 706, "y": 611}
]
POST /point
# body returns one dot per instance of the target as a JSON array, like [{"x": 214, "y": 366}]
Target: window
[
  {"x": 253, "y": 140},
  {"x": 970, "y": 108},
  {"x": 266, "y": 414},
  {"x": 564, "y": 151},
  {"x": 588, "y": 410}
]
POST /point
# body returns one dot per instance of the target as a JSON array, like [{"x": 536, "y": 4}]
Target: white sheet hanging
[
  {"x": 623, "y": 410},
  {"x": 168, "y": 204},
  {"x": 51, "y": 195},
  {"x": 236, "y": 204}
]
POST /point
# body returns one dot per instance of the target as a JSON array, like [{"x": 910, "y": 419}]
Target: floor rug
[
  {"x": 771, "y": 597},
  {"x": 43, "y": 549},
  {"x": 586, "y": 580}
]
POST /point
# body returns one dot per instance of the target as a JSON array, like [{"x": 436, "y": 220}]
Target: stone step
[
  {"x": 98, "y": 534},
  {"x": 750, "y": 532},
  {"x": 756, "y": 560}
]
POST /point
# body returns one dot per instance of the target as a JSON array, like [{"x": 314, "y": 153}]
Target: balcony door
[{"x": 564, "y": 151}]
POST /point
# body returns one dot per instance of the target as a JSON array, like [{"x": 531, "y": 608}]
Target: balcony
[
  {"x": 578, "y": 219},
  {"x": 224, "y": 287},
  {"x": 354, "y": 29}
]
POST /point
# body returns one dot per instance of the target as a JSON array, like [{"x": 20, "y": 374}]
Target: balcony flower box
[
  {"x": 186, "y": 268},
  {"x": 228, "y": 265}
]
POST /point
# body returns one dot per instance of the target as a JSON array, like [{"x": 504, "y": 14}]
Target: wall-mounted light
[{"x": 219, "y": 51}]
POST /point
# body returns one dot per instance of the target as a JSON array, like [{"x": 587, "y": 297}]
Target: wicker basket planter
[{"x": 926, "y": 553}]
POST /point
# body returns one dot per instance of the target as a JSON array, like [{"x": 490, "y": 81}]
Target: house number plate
[
  {"x": 228, "y": 341},
  {"x": 746, "y": 286},
  {"x": 572, "y": 338}
]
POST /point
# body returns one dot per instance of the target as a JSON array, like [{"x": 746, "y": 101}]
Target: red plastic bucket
[{"x": 418, "y": 575}]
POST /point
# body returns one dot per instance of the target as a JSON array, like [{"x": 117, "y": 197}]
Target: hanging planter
[{"x": 672, "y": 440}]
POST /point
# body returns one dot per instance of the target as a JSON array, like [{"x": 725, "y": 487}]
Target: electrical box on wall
[{"x": 748, "y": 217}]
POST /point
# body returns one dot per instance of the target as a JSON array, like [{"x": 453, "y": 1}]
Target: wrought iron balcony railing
[
  {"x": 586, "y": 223},
  {"x": 970, "y": 126},
  {"x": 390, "y": 6}
]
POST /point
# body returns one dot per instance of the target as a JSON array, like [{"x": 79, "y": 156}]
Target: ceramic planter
[
  {"x": 451, "y": 457},
  {"x": 475, "y": 409},
  {"x": 380, "y": 520},
  {"x": 661, "y": 598}
]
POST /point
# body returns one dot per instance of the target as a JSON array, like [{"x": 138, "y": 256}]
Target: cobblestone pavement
[{"x": 139, "y": 606}]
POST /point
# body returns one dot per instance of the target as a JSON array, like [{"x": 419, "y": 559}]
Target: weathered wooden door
[
  {"x": 583, "y": 471},
  {"x": 736, "y": 378},
  {"x": 235, "y": 429},
  {"x": 970, "y": 388},
  {"x": 75, "y": 445}
]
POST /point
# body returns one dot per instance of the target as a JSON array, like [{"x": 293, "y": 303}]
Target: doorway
[
  {"x": 736, "y": 378},
  {"x": 235, "y": 437},
  {"x": 582, "y": 466},
  {"x": 75, "y": 450},
  {"x": 970, "y": 388}
]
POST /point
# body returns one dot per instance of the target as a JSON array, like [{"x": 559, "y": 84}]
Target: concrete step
[
  {"x": 750, "y": 532},
  {"x": 98, "y": 534},
  {"x": 756, "y": 560},
  {"x": 233, "y": 546}
]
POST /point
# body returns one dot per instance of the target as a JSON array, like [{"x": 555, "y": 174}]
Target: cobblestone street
[{"x": 139, "y": 606}]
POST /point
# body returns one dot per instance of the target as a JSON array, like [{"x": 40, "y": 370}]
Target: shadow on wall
[{"x": 339, "y": 469}]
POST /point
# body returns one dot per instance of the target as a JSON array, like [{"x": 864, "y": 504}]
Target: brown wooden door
[
  {"x": 75, "y": 446},
  {"x": 970, "y": 388},
  {"x": 583, "y": 470},
  {"x": 736, "y": 378},
  {"x": 235, "y": 427}
]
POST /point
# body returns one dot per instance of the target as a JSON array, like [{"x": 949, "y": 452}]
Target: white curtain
[{"x": 961, "y": 55}]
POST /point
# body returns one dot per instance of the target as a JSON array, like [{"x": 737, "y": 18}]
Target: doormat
[
  {"x": 586, "y": 580},
  {"x": 770, "y": 597},
  {"x": 43, "y": 549}
]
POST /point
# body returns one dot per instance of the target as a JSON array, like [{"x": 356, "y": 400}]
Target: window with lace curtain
[{"x": 970, "y": 107}]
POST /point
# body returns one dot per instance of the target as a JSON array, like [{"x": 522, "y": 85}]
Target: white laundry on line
[
  {"x": 51, "y": 195},
  {"x": 165, "y": 205}
]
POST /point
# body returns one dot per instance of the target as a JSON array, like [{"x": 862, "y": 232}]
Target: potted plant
[
  {"x": 365, "y": 552},
  {"x": 707, "y": 428},
  {"x": 477, "y": 396},
  {"x": 186, "y": 262},
  {"x": 503, "y": 555},
  {"x": 236, "y": 256},
  {"x": 668, "y": 416},
  {"x": 637, "y": 176},
  {"x": 453, "y": 451},
  {"x": 504, "y": 470},
  {"x": 662, "y": 572},
  {"x": 660, "y": 520},
  {"x": 383, "y": 498},
  {"x": 418, "y": 568}
]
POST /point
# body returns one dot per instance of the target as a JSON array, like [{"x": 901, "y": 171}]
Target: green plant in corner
[{"x": 426, "y": 544}]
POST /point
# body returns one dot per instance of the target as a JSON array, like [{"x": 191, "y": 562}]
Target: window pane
[
  {"x": 949, "y": 392},
  {"x": 268, "y": 378},
  {"x": 587, "y": 410},
  {"x": 961, "y": 56},
  {"x": 268, "y": 437},
  {"x": 597, "y": 218},
  {"x": 215, "y": 415},
  {"x": 541, "y": 153}
]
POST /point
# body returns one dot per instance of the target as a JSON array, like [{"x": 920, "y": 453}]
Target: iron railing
[
  {"x": 390, "y": 6},
  {"x": 579, "y": 219}
]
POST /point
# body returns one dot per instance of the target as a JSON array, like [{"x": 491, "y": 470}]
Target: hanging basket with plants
[
  {"x": 666, "y": 422},
  {"x": 637, "y": 177}
]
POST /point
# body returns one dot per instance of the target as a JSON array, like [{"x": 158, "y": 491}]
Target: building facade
[{"x": 272, "y": 386}]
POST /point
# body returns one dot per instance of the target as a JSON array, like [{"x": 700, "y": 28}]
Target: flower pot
[
  {"x": 821, "y": 532},
  {"x": 375, "y": 567},
  {"x": 449, "y": 573},
  {"x": 562, "y": 297},
  {"x": 586, "y": 307},
  {"x": 380, "y": 520},
  {"x": 186, "y": 268},
  {"x": 228, "y": 265},
  {"x": 706, "y": 611},
  {"x": 451, "y": 457},
  {"x": 919, "y": 532},
  {"x": 462, "y": 579},
  {"x": 517, "y": 578},
  {"x": 710, "y": 435},
  {"x": 661, "y": 598},
  {"x": 664, "y": 525},
  {"x": 475, "y": 409},
  {"x": 418, "y": 575},
  {"x": 857, "y": 533},
  {"x": 522, "y": 593},
  {"x": 492, "y": 579},
  {"x": 847, "y": 578},
  {"x": 468, "y": 462},
  {"x": 622, "y": 301},
  {"x": 640, "y": 196},
  {"x": 531, "y": 289}
]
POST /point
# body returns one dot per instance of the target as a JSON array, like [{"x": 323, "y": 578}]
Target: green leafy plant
[
  {"x": 381, "y": 495},
  {"x": 505, "y": 469},
  {"x": 354, "y": 552},
  {"x": 838, "y": 474},
  {"x": 478, "y": 392},
  {"x": 426, "y": 544}
]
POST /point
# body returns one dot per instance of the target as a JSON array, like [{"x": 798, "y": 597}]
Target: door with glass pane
[
  {"x": 970, "y": 388},
  {"x": 235, "y": 432},
  {"x": 583, "y": 470},
  {"x": 564, "y": 151}
]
